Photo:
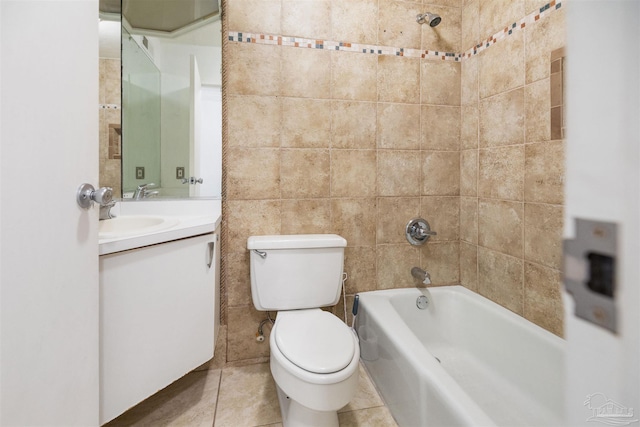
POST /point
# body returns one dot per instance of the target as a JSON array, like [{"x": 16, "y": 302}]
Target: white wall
[
  {"x": 48, "y": 251},
  {"x": 211, "y": 154},
  {"x": 603, "y": 183}
]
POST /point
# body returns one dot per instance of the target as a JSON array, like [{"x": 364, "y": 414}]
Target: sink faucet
[
  {"x": 142, "y": 193},
  {"x": 105, "y": 210},
  {"x": 422, "y": 275}
]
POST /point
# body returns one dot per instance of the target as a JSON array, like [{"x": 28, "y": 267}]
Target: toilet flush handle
[{"x": 262, "y": 254}]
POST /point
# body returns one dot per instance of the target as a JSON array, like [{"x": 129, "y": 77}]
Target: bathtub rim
[{"x": 502, "y": 311}]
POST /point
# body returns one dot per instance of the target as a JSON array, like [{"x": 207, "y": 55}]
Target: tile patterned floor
[{"x": 240, "y": 397}]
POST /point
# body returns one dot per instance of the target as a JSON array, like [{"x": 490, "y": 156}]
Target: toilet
[{"x": 314, "y": 354}]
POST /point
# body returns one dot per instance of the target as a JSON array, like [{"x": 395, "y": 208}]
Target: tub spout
[{"x": 420, "y": 274}]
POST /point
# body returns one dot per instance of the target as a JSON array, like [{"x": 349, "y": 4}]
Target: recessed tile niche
[
  {"x": 556, "y": 82},
  {"x": 115, "y": 141}
]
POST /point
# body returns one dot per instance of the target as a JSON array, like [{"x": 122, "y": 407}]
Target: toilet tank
[{"x": 299, "y": 271}]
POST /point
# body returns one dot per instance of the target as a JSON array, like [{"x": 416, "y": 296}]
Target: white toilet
[{"x": 314, "y": 355}]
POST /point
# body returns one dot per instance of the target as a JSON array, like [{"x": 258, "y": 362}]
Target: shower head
[{"x": 428, "y": 18}]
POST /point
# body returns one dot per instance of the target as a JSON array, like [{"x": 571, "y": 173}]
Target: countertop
[{"x": 194, "y": 217}]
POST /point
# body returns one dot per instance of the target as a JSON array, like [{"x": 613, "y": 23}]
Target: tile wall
[
  {"x": 512, "y": 164},
  {"x": 110, "y": 109},
  {"x": 321, "y": 140}
]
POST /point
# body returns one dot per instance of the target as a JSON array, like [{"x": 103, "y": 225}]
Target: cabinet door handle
[{"x": 211, "y": 246}]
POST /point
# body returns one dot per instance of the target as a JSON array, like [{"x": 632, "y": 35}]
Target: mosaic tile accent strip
[
  {"x": 108, "y": 106},
  {"x": 241, "y": 37},
  {"x": 244, "y": 37},
  {"x": 516, "y": 26}
]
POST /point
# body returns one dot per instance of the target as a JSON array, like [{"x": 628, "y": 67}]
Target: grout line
[
  {"x": 215, "y": 408},
  {"x": 523, "y": 235}
]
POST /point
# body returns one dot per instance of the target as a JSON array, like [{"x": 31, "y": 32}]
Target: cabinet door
[{"x": 158, "y": 311}]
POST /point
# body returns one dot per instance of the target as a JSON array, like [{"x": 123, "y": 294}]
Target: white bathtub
[{"x": 495, "y": 368}]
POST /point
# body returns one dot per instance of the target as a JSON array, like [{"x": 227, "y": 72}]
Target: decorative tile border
[
  {"x": 516, "y": 26},
  {"x": 267, "y": 39},
  {"x": 109, "y": 106},
  {"x": 241, "y": 37}
]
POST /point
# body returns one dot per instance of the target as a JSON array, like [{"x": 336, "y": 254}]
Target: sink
[{"x": 131, "y": 225}]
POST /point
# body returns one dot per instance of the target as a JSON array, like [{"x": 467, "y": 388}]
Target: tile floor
[{"x": 240, "y": 397}]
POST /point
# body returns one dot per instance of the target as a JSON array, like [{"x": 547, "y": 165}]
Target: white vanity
[{"x": 159, "y": 297}]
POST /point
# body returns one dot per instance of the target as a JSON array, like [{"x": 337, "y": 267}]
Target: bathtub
[{"x": 462, "y": 361}]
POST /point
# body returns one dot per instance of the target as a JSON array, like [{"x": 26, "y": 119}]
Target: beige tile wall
[
  {"x": 109, "y": 94},
  {"x": 512, "y": 171},
  {"x": 339, "y": 142}
]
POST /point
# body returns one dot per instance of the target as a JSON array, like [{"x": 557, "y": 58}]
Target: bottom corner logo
[{"x": 607, "y": 411}]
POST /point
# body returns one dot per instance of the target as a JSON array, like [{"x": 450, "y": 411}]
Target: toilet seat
[{"x": 314, "y": 340}]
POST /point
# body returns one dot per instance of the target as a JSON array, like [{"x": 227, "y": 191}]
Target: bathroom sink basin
[{"x": 132, "y": 225}]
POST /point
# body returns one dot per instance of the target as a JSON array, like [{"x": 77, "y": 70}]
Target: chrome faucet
[
  {"x": 105, "y": 210},
  {"x": 142, "y": 193},
  {"x": 422, "y": 275},
  {"x": 418, "y": 231}
]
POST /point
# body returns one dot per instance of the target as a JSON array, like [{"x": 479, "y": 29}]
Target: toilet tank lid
[{"x": 296, "y": 241}]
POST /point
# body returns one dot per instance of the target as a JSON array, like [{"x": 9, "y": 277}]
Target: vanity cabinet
[{"x": 159, "y": 317}]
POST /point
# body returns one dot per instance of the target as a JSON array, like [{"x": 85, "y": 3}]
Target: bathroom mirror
[{"x": 166, "y": 127}]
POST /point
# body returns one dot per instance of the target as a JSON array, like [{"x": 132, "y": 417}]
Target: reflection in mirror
[
  {"x": 171, "y": 105},
  {"x": 110, "y": 104},
  {"x": 140, "y": 116}
]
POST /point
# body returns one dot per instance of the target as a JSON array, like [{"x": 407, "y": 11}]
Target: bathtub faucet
[{"x": 421, "y": 275}]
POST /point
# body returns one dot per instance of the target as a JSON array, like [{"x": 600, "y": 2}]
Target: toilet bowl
[
  {"x": 314, "y": 355},
  {"x": 311, "y": 394}
]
